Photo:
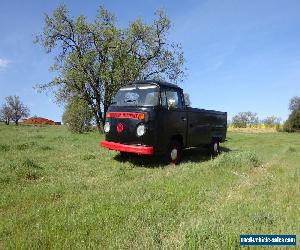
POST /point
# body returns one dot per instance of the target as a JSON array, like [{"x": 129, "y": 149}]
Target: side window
[
  {"x": 151, "y": 99},
  {"x": 174, "y": 99}
]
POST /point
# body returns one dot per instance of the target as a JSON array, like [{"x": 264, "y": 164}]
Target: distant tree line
[
  {"x": 13, "y": 110},
  {"x": 250, "y": 119}
]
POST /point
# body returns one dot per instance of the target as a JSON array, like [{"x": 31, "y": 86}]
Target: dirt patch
[{"x": 40, "y": 121}]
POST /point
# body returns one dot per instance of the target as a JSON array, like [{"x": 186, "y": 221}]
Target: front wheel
[
  {"x": 124, "y": 155},
  {"x": 174, "y": 153}
]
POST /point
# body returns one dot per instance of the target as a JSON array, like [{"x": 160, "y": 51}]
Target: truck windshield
[{"x": 137, "y": 95}]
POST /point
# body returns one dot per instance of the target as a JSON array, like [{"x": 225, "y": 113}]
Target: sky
[{"x": 240, "y": 55}]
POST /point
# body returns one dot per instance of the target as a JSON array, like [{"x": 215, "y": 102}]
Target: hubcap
[
  {"x": 174, "y": 154},
  {"x": 216, "y": 147}
]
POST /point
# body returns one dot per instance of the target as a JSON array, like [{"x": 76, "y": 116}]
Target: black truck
[{"x": 152, "y": 117}]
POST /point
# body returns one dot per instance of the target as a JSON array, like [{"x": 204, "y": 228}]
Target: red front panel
[{"x": 143, "y": 150}]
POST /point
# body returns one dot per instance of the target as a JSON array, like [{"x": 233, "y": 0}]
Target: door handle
[{"x": 183, "y": 119}]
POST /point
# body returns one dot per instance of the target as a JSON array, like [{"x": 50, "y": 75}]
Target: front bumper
[{"x": 137, "y": 149}]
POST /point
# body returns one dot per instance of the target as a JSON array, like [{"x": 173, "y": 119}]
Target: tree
[
  {"x": 292, "y": 124},
  {"x": 245, "y": 119},
  {"x": 5, "y": 114},
  {"x": 239, "y": 120},
  {"x": 14, "y": 109},
  {"x": 77, "y": 115},
  {"x": 96, "y": 58},
  {"x": 294, "y": 103},
  {"x": 271, "y": 121}
]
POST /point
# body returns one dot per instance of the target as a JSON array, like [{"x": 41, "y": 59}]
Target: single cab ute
[{"x": 152, "y": 117}]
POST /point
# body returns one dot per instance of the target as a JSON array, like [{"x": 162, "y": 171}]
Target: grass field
[{"x": 60, "y": 190}]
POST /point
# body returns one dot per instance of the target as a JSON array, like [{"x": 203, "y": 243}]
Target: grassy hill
[{"x": 60, "y": 190}]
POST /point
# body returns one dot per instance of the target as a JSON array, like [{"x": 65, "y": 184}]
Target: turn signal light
[{"x": 141, "y": 116}]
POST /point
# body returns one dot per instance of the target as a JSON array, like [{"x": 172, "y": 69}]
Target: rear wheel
[
  {"x": 174, "y": 153},
  {"x": 215, "y": 147}
]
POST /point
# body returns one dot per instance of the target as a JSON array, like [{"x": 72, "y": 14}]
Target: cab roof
[{"x": 157, "y": 82}]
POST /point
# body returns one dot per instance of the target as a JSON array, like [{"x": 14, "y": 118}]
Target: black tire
[
  {"x": 124, "y": 155},
  {"x": 174, "y": 153},
  {"x": 215, "y": 147}
]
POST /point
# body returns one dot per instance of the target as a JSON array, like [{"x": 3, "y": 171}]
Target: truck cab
[{"x": 151, "y": 117}]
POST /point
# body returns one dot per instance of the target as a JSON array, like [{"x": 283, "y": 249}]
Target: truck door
[{"x": 174, "y": 116}]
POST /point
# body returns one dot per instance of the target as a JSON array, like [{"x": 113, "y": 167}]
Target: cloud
[{"x": 4, "y": 63}]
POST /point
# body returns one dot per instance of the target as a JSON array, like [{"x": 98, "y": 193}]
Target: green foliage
[
  {"x": 292, "y": 124},
  {"x": 96, "y": 58},
  {"x": 279, "y": 127},
  {"x": 271, "y": 121},
  {"x": 77, "y": 115},
  {"x": 4, "y": 147},
  {"x": 245, "y": 119},
  {"x": 237, "y": 159},
  {"x": 294, "y": 103},
  {"x": 25, "y": 146}
]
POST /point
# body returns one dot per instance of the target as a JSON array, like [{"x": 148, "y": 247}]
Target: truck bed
[{"x": 205, "y": 126}]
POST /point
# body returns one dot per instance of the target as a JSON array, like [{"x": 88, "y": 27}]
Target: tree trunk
[
  {"x": 99, "y": 117},
  {"x": 105, "y": 111},
  {"x": 99, "y": 121},
  {"x": 99, "y": 125}
]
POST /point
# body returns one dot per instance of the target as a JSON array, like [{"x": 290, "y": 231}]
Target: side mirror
[
  {"x": 187, "y": 100},
  {"x": 171, "y": 103}
]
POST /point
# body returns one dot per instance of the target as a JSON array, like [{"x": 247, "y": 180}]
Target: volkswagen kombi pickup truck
[{"x": 152, "y": 118}]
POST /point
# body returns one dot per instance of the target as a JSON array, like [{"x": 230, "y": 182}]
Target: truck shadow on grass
[{"x": 193, "y": 155}]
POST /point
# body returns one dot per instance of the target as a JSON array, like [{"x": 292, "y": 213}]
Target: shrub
[
  {"x": 237, "y": 159},
  {"x": 77, "y": 115},
  {"x": 292, "y": 124}
]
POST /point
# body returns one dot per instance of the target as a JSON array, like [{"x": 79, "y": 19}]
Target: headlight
[
  {"x": 141, "y": 129},
  {"x": 106, "y": 127}
]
